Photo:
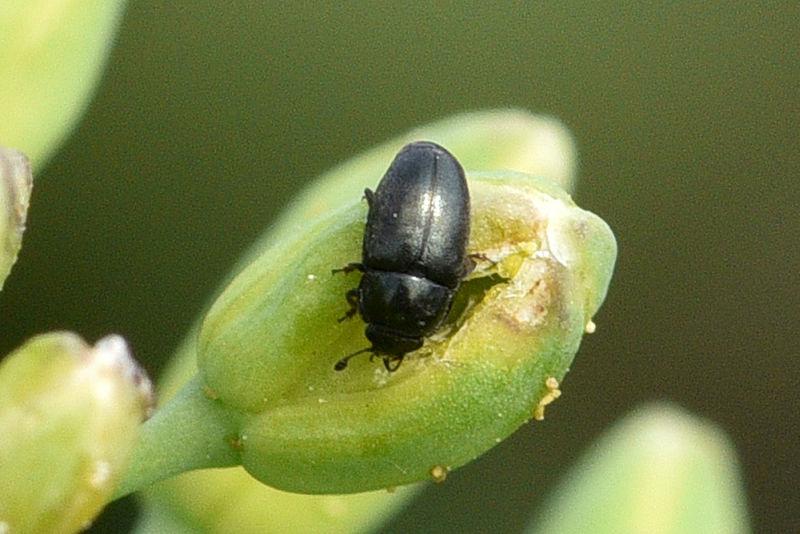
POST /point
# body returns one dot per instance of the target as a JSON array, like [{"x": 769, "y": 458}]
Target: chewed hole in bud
[{"x": 471, "y": 293}]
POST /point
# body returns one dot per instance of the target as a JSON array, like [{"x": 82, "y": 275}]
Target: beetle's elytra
[{"x": 414, "y": 251}]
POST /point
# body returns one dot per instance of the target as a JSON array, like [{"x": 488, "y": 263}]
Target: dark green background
[{"x": 211, "y": 115}]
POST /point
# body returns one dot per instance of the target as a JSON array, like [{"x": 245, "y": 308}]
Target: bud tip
[{"x": 111, "y": 357}]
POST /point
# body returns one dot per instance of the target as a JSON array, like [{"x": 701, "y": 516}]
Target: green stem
[{"x": 190, "y": 432}]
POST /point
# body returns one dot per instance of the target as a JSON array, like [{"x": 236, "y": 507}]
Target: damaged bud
[{"x": 268, "y": 346}]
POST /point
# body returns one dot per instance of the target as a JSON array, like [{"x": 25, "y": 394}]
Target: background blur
[{"x": 212, "y": 115}]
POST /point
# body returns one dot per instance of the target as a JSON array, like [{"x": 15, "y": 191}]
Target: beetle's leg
[
  {"x": 389, "y": 367},
  {"x": 349, "y": 268},
  {"x": 369, "y": 194},
  {"x": 470, "y": 263},
  {"x": 352, "y": 300}
]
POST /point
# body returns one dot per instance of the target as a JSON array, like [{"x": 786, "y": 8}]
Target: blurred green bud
[
  {"x": 51, "y": 56},
  {"x": 69, "y": 417},
  {"x": 15, "y": 192},
  {"x": 229, "y": 500},
  {"x": 660, "y": 470},
  {"x": 268, "y": 345}
]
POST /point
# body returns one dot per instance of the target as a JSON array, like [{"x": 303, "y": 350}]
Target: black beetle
[{"x": 414, "y": 251}]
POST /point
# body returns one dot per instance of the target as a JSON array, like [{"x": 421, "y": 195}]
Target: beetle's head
[{"x": 387, "y": 342}]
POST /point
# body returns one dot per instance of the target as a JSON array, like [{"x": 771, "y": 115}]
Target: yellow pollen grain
[
  {"x": 552, "y": 394},
  {"x": 439, "y": 473}
]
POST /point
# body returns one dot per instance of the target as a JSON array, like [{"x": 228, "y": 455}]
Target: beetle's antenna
[{"x": 342, "y": 364}]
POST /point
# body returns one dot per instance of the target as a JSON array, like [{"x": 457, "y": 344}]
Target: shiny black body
[{"x": 414, "y": 251}]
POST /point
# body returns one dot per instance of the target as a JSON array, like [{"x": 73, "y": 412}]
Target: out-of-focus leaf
[{"x": 51, "y": 55}]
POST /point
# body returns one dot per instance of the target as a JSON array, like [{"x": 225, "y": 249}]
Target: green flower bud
[
  {"x": 496, "y": 139},
  {"x": 268, "y": 345},
  {"x": 658, "y": 470},
  {"x": 15, "y": 192},
  {"x": 51, "y": 56},
  {"x": 69, "y": 417}
]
